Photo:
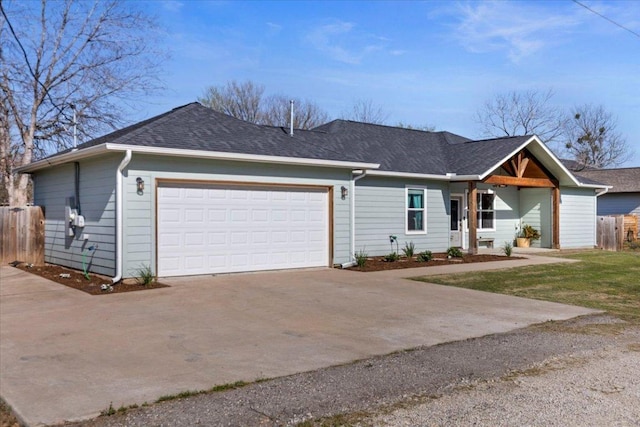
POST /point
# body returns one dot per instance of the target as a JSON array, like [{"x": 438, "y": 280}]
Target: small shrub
[
  {"x": 145, "y": 275},
  {"x": 425, "y": 256},
  {"x": 454, "y": 252},
  {"x": 409, "y": 249},
  {"x": 361, "y": 258},
  {"x": 392, "y": 257},
  {"x": 109, "y": 411},
  {"x": 507, "y": 248}
]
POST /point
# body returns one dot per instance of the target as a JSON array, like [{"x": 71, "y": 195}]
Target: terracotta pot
[{"x": 523, "y": 242}]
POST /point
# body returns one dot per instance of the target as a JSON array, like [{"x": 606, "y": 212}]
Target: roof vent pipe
[
  {"x": 291, "y": 120},
  {"x": 75, "y": 128}
]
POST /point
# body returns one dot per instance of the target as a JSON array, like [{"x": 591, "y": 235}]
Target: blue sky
[{"x": 425, "y": 63}]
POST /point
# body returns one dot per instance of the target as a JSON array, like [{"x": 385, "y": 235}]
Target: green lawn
[{"x": 607, "y": 281}]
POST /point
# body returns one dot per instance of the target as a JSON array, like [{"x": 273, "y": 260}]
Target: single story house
[
  {"x": 194, "y": 191},
  {"x": 623, "y": 198}
]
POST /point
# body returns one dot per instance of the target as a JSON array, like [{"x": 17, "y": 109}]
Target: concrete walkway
[{"x": 66, "y": 355}]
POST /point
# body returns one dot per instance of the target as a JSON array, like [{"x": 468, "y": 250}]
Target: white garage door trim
[{"x": 227, "y": 227}]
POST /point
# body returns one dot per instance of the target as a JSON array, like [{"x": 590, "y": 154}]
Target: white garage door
[{"x": 204, "y": 229}]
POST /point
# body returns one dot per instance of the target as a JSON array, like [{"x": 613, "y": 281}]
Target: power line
[
  {"x": 26, "y": 60},
  {"x": 606, "y": 18}
]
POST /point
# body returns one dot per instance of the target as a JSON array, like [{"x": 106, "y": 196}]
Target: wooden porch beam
[
  {"x": 520, "y": 182},
  {"x": 519, "y": 164},
  {"x": 555, "y": 200},
  {"x": 473, "y": 218}
]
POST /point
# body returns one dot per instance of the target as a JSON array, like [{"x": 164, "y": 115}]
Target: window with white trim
[
  {"x": 486, "y": 214},
  {"x": 486, "y": 211},
  {"x": 416, "y": 211}
]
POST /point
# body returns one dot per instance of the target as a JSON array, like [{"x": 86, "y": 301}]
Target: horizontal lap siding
[
  {"x": 619, "y": 204},
  {"x": 507, "y": 215},
  {"x": 97, "y": 185},
  {"x": 577, "y": 218},
  {"x": 140, "y": 222},
  {"x": 381, "y": 209},
  {"x": 535, "y": 208}
]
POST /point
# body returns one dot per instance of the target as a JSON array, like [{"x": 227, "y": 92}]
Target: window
[
  {"x": 416, "y": 210},
  {"x": 486, "y": 212}
]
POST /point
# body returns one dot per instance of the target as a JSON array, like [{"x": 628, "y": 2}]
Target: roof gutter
[
  {"x": 63, "y": 158},
  {"x": 175, "y": 152},
  {"x": 445, "y": 177},
  {"x": 119, "y": 212}
]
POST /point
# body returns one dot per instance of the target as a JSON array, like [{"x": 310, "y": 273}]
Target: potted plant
[{"x": 526, "y": 235}]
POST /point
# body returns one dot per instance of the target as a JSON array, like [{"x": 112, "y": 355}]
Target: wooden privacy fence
[
  {"x": 610, "y": 232},
  {"x": 631, "y": 232},
  {"x": 22, "y": 235}
]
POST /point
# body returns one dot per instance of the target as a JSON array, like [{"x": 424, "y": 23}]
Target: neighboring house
[
  {"x": 623, "y": 198},
  {"x": 194, "y": 191}
]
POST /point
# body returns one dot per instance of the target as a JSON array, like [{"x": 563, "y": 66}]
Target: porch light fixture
[
  {"x": 140, "y": 185},
  {"x": 344, "y": 192}
]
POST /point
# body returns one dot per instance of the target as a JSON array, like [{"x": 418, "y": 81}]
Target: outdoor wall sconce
[
  {"x": 344, "y": 192},
  {"x": 140, "y": 184}
]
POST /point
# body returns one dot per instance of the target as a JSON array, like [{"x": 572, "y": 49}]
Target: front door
[{"x": 455, "y": 234}]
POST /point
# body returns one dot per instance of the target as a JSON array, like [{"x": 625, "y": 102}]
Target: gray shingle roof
[
  {"x": 195, "y": 127},
  {"x": 415, "y": 151},
  {"x": 623, "y": 180}
]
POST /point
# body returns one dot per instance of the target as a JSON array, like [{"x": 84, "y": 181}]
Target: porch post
[
  {"x": 473, "y": 218},
  {"x": 555, "y": 239}
]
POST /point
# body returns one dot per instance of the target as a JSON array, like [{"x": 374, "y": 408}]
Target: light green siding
[
  {"x": 53, "y": 186},
  {"x": 536, "y": 211},
  {"x": 381, "y": 210},
  {"x": 577, "y": 218},
  {"x": 506, "y": 212},
  {"x": 507, "y": 215},
  {"x": 139, "y": 209}
]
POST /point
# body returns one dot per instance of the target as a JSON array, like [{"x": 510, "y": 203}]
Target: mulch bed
[
  {"x": 379, "y": 264},
  {"x": 76, "y": 280}
]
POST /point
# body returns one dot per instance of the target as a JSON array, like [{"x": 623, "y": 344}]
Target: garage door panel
[
  {"x": 217, "y": 215},
  {"x": 217, "y": 238},
  {"x": 214, "y": 230}
]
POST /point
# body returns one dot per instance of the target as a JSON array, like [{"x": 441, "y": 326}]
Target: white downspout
[
  {"x": 352, "y": 190},
  {"x": 123, "y": 164}
]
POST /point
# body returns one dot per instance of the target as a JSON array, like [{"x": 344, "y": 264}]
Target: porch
[{"x": 521, "y": 191}]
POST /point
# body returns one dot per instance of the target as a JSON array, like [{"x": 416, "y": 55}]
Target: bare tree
[
  {"x": 240, "y": 100},
  {"x": 522, "y": 113},
  {"x": 364, "y": 110},
  {"x": 246, "y": 101},
  {"x": 592, "y": 138},
  {"x": 424, "y": 128},
  {"x": 307, "y": 114},
  {"x": 57, "y": 57}
]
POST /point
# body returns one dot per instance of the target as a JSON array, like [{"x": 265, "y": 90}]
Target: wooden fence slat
[
  {"x": 631, "y": 232},
  {"x": 22, "y": 235},
  {"x": 612, "y": 231}
]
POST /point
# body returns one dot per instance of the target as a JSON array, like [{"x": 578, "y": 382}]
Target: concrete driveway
[{"x": 66, "y": 355}]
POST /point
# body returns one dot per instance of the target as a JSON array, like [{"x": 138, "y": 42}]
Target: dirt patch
[
  {"x": 379, "y": 263},
  {"x": 92, "y": 284}
]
